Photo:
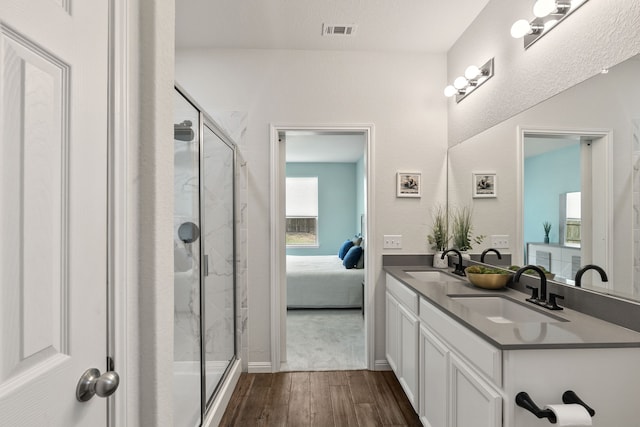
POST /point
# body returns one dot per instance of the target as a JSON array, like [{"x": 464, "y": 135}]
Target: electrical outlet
[
  {"x": 392, "y": 241},
  {"x": 500, "y": 241}
]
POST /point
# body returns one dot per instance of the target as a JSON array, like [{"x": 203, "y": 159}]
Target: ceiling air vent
[{"x": 338, "y": 30}]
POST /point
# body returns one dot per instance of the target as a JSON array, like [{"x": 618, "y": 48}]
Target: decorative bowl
[
  {"x": 489, "y": 280},
  {"x": 486, "y": 279}
]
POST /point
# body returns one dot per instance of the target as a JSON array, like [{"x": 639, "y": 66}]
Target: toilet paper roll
[{"x": 570, "y": 415}]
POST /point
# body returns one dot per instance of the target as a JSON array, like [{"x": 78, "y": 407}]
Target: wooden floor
[{"x": 334, "y": 398}]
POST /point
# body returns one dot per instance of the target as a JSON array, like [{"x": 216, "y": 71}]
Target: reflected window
[{"x": 572, "y": 219}]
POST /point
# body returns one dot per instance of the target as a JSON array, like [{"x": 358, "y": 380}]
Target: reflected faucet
[
  {"x": 497, "y": 252},
  {"x": 541, "y": 300},
  {"x": 459, "y": 269},
  {"x": 579, "y": 273}
]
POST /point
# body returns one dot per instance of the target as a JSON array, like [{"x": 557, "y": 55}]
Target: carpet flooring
[{"x": 325, "y": 340}]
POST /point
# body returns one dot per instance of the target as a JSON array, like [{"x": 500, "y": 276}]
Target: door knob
[{"x": 91, "y": 382}]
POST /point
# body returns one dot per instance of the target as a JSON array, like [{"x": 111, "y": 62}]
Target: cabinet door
[
  {"x": 392, "y": 332},
  {"x": 473, "y": 402},
  {"x": 433, "y": 369},
  {"x": 408, "y": 352}
]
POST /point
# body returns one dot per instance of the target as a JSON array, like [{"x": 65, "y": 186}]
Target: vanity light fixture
[
  {"x": 548, "y": 14},
  {"x": 473, "y": 78}
]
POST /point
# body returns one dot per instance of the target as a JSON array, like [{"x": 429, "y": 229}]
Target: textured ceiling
[{"x": 382, "y": 25}]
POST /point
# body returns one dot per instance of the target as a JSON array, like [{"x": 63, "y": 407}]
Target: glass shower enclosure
[{"x": 204, "y": 260}]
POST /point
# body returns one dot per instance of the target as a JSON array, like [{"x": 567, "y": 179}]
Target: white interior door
[{"x": 53, "y": 209}]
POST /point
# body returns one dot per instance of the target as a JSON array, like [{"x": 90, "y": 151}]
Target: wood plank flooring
[{"x": 327, "y": 398}]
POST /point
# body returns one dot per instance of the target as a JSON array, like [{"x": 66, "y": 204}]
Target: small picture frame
[
  {"x": 485, "y": 185},
  {"x": 408, "y": 184}
]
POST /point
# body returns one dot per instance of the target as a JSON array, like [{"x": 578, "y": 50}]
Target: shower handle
[{"x": 92, "y": 383}]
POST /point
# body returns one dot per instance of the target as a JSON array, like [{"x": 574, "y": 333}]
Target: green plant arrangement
[
  {"x": 439, "y": 237},
  {"x": 547, "y": 228},
  {"x": 478, "y": 269},
  {"x": 487, "y": 277},
  {"x": 462, "y": 229}
]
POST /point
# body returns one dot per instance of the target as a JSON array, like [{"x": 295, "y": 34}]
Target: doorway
[
  {"x": 337, "y": 161},
  {"x": 565, "y": 200}
]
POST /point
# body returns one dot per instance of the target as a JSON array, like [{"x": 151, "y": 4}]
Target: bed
[{"x": 322, "y": 282}]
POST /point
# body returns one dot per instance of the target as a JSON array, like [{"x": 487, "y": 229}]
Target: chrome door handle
[{"x": 91, "y": 382}]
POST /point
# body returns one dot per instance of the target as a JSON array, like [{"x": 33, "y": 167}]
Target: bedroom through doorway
[{"x": 325, "y": 227}]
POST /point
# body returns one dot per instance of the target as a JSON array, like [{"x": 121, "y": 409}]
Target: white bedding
[{"x": 322, "y": 282}]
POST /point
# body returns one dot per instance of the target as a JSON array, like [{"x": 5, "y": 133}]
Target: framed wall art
[
  {"x": 408, "y": 184},
  {"x": 485, "y": 185}
]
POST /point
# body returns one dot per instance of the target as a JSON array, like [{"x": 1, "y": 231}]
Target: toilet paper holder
[{"x": 525, "y": 401}]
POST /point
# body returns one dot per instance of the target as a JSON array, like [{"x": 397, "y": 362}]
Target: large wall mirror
[{"x": 572, "y": 162}]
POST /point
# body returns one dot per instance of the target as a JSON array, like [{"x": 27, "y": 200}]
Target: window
[{"x": 302, "y": 211}]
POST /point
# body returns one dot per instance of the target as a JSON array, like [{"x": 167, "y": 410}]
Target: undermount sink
[
  {"x": 432, "y": 276},
  {"x": 500, "y": 309}
]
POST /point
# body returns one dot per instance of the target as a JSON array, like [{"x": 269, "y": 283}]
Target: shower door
[
  {"x": 187, "y": 350},
  {"x": 204, "y": 261},
  {"x": 218, "y": 257}
]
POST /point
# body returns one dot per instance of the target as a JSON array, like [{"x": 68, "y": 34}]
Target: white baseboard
[
  {"x": 260, "y": 368},
  {"x": 215, "y": 413},
  {"x": 382, "y": 365}
]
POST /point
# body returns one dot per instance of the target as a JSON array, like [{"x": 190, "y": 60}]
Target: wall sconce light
[
  {"x": 473, "y": 78},
  {"x": 548, "y": 14}
]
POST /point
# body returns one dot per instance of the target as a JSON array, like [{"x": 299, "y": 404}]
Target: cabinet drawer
[
  {"x": 474, "y": 349},
  {"x": 402, "y": 293}
]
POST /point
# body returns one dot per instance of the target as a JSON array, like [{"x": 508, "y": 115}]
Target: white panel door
[
  {"x": 434, "y": 370},
  {"x": 473, "y": 402},
  {"x": 53, "y": 209}
]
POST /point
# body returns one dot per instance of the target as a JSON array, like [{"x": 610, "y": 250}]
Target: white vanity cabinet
[
  {"x": 402, "y": 328},
  {"x": 480, "y": 381},
  {"x": 454, "y": 377},
  {"x": 460, "y": 374}
]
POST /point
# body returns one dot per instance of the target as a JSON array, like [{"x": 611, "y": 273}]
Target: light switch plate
[
  {"x": 392, "y": 241},
  {"x": 500, "y": 241}
]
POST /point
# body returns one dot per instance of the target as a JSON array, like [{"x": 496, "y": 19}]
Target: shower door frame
[{"x": 205, "y": 120}]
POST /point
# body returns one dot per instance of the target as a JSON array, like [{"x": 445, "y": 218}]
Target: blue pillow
[
  {"x": 344, "y": 248},
  {"x": 352, "y": 257}
]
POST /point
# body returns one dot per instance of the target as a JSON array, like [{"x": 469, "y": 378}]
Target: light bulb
[
  {"x": 544, "y": 8},
  {"x": 449, "y": 91},
  {"x": 472, "y": 72},
  {"x": 520, "y": 29},
  {"x": 460, "y": 82}
]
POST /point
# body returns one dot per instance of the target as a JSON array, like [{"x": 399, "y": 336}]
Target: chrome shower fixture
[{"x": 183, "y": 131}]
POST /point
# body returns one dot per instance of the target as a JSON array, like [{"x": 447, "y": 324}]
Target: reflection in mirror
[
  {"x": 560, "y": 175},
  {"x": 588, "y": 142}
]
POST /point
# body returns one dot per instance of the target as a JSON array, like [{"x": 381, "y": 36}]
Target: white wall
[
  {"x": 149, "y": 288},
  {"x": 600, "y": 34},
  {"x": 400, "y": 93}
]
